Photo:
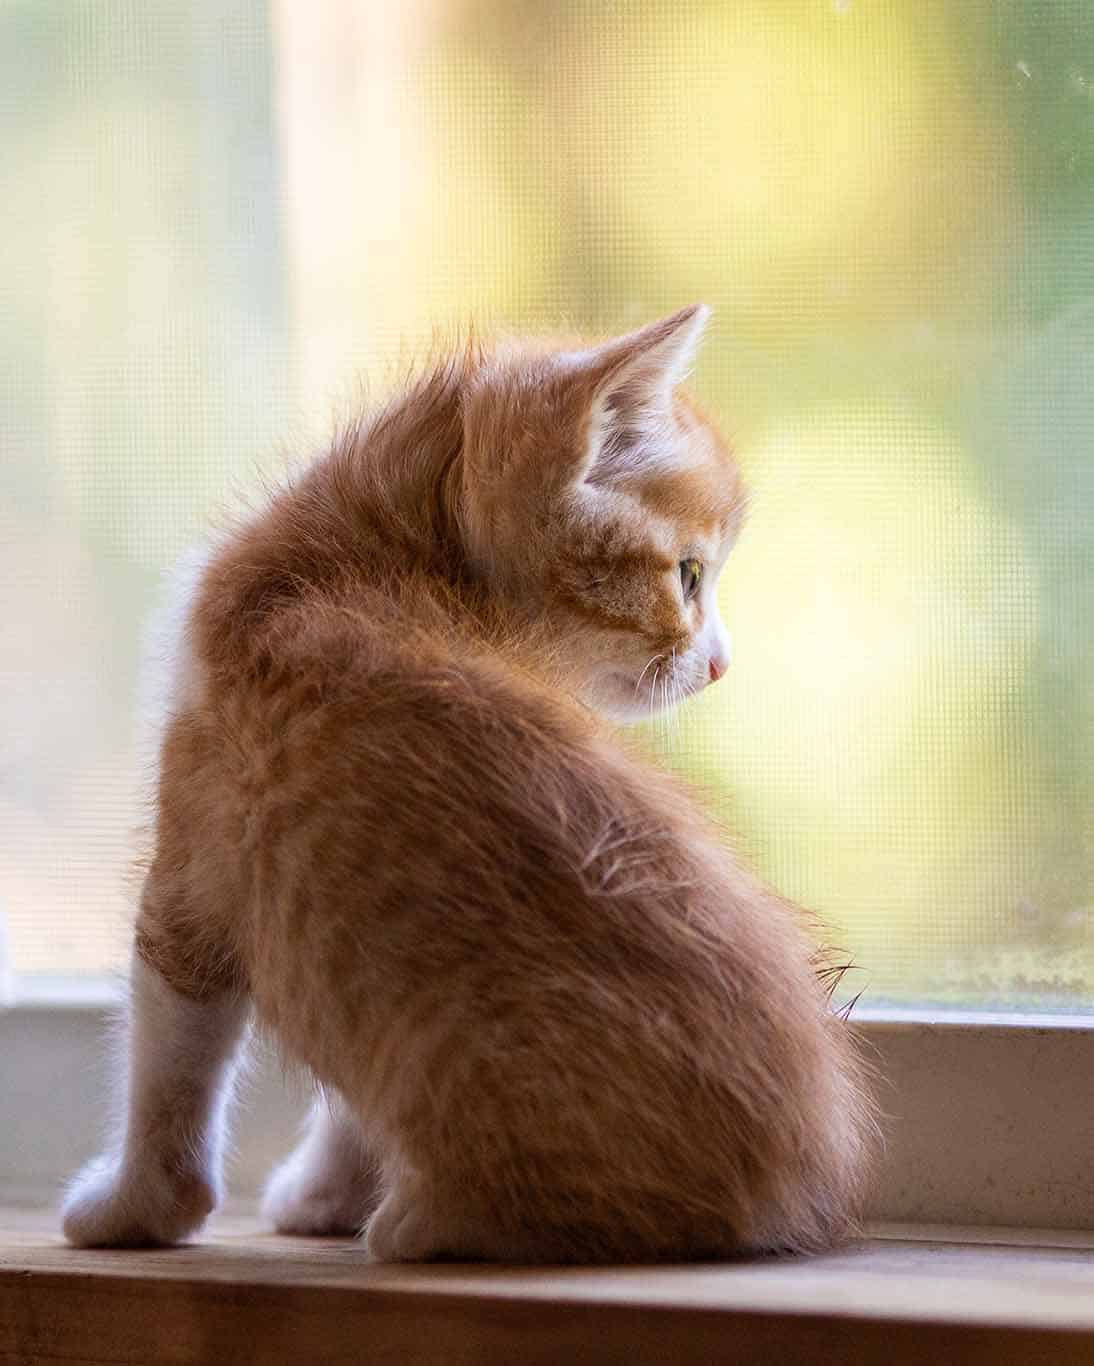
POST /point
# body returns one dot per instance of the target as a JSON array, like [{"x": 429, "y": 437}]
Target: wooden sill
[{"x": 242, "y": 1295}]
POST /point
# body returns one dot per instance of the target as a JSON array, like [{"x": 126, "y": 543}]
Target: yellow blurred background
[{"x": 219, "y": 218}]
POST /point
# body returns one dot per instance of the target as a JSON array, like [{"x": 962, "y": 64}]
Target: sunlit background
[{"x": 218, "y": 217}]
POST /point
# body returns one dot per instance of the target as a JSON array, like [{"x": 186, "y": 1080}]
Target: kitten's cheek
[{"x": 614, "y": 695}]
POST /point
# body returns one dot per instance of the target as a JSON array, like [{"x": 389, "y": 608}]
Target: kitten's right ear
[{"x": 624, "y": 386}]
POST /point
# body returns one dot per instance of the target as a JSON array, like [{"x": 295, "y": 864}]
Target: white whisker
[
  {"x": 671, "y": 698},
  {"x": 642, "y": 675}
]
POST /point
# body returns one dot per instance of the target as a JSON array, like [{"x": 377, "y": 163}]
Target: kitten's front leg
[
  {"x": 327, "y": 1184},
  {"x": 163, "y": 1176}
]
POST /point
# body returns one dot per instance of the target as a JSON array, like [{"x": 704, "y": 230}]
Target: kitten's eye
[{"x": 691, "y": 576}]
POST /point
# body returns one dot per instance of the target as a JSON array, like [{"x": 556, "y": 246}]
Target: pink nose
[{"x": 717, "y": 669}]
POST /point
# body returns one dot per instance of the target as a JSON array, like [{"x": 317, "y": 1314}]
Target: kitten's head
[{"x": 601, "y": 503}]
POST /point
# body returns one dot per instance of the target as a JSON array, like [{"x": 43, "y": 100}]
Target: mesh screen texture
[{"x": 220, "y": 217}]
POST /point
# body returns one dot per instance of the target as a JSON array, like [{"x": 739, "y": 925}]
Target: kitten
[{"x": 552, "y": 1017}]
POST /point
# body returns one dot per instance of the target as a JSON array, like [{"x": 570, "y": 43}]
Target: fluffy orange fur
[{"x": 567, "y": 1024}]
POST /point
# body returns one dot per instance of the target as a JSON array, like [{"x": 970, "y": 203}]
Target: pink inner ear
[
  {"x": 650, "y": 363},
  {"x": 628, "y": 384}
]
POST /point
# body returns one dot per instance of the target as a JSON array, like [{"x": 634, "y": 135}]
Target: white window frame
[{"x": 990, "y": 1118}]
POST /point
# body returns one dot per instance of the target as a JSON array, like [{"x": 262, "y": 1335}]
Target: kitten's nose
[
  {"x": 719, "y": 656},
  {"x": 720, "y": 650}
]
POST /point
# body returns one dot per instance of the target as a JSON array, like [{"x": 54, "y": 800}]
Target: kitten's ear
[
  {"x": 625, "y": 385},
  {"x": 648, "y": 364}
]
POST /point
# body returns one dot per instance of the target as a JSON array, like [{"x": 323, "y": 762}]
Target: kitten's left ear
[{"x": 625, "y": 385}]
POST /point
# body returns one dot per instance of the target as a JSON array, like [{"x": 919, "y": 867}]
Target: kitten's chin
[{"x": 616, "y": 696}]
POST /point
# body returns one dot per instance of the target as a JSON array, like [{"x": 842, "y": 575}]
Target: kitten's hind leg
[
  {"x": 327, "y": 1184},
  {"x": 414, "y": 1223},
  {"x": 404, "y": 1228},
  {"x": 163, "y": 1176}
]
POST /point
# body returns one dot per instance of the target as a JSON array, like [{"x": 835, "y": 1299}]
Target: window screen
[{"x": 217, "y": 218}]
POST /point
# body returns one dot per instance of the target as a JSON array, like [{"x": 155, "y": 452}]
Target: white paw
[
  {"x": 304, "y": 1200},
  {"x": 108, "y": 1204}
]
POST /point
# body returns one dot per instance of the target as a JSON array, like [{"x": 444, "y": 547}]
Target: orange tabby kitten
[{"x": 552, "y": 1017}]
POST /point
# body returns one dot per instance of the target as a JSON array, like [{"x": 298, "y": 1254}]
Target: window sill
[
  {"x": 988, "y": 1120},
  {"x": 902, "y": 1296}
]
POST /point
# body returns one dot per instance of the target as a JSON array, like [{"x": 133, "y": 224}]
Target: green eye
[{"x": 691, "y": 576}]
